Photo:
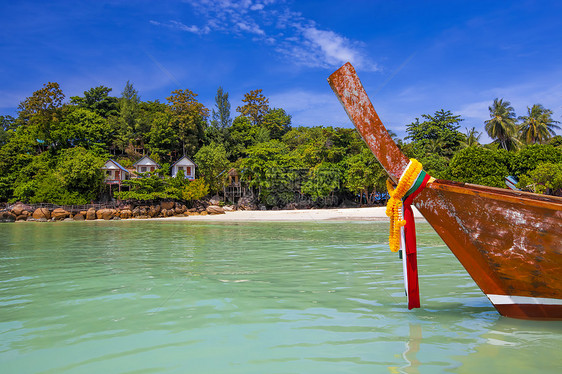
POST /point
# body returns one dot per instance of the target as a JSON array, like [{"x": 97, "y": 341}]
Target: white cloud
[
  {"x": 293, "y": 36},
  {"x": 253, "y": 29},
  {"x": 180, "y": 26},
  {"x": 335, "y": 49}
]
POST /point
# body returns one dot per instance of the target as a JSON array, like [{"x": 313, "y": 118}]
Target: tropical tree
[
  {"x": 212, "y": 164},
  {"x": 529, "y": 157},
  {"x": 41, "y": 113},
  {"x": 7, "y": 128},
  {"x": 537, "y": 126},
  {"x": 546, "y": 178},
  {"x": 364, "y": 175},
  {"x": 82, "y": 127},
  {"x": 97, "y": 100},
  {"x": 162, "y": 137},
  {"x": 277, "y": 122},
  {"x": 501, "y": 125},
  {"x": 220, "y": 118},
  {"x": 190, "y": 117},
  {"x": 438, "y": 132},
  {"x": 128, "y": 117},
  {"x": 480, "y": 165},
  {"x": 256, "y": 106},
  {"x": 472, "y": 138}
]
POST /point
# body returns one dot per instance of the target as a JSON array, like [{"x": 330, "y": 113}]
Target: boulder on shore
[
  {"x": 154, "y": 211},
  {"x": 40, "y": 213},
  {"x": 215, "y": 209},
  {"x": 59, "y": 214},
  {"x": 126, "y": 214},
  {"x": 6, "y": 216},
  {"x": 91, "y": 214},
  {"x": 105, "y": 214},
  {"x": 19, "y": 208},
  {"x": 167, "y": 205},
  {"x": 79, "y": 217},
  {"x": 215, "y": 200}
]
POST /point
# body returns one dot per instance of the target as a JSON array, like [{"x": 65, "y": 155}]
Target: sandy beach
[{"x": 347, "y": 214}]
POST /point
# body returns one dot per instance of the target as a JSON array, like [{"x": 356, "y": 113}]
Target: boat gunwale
[{"x": 545, "y": 201}]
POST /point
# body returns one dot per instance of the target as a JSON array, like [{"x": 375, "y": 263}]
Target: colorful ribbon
[{"x": 403, "y": 231}]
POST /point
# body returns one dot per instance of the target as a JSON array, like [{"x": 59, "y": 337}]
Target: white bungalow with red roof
[
  {"x": 145, "y": 165},
  {"x": 186, "y": 165}
]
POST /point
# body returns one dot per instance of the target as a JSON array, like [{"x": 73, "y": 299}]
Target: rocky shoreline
[{"x": 23, "y": 212}]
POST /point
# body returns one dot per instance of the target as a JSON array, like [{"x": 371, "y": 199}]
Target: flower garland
[{"x": 394, "y": 205}]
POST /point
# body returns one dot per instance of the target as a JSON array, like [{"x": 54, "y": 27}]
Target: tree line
[{"x": 53, "y": 150}]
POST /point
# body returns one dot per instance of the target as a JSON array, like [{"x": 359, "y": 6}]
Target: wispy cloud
[
  {"x": 274, "y": 24},
  {"x": 176, "y": 25}
]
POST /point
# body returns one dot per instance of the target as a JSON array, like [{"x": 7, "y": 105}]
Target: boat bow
[{"x": 510, "y": 242}]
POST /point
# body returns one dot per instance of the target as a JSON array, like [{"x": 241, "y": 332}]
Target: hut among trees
[
  {"x": 185, "y": 165},
  {"x": 145, "y": 165},
  {"x": 234, "y": 188},
  {"x": 114, "y": 173}
]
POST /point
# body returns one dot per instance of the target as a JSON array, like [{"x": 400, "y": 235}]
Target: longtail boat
[{"x": 510, "y": 242}]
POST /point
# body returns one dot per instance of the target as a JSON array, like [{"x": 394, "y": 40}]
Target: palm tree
[
  {"x": 434, "y": 146},
  {"x": 538, "y": 126},
  {"x": 501, "y": 125},
  {"x": 472, "y": 138}
]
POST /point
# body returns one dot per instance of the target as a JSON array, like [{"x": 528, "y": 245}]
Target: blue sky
[{"x": 414, "y": 57}]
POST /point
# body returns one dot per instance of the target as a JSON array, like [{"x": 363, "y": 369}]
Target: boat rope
[{"x": 402, "y": 224}]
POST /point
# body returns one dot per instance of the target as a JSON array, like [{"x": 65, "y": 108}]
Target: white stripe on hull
[{"x": 508, "y": 299}]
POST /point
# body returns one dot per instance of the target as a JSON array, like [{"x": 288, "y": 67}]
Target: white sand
[{"x": 348, "y": 214}]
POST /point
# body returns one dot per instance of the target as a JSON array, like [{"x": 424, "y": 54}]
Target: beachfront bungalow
[
  {"x": 145, "y": 165},
  {"x": 114, "y": 172},
  {"x": 186, "y": 165},
  {"x": 234, "y": 189}
]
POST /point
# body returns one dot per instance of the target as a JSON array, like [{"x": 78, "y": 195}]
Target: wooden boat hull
[{"x": 510, "y": 242}]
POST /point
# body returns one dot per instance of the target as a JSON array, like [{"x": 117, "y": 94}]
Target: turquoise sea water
[{"x": 193, "y": 297}]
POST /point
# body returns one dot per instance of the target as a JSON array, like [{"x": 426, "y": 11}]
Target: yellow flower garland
[{"x": 394, "y": 204}]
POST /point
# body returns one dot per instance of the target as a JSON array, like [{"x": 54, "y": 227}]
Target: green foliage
[
  {"x": 194, "y": 190},
  {"x": 435, "y": 165},
  {"x": 221, "y": 121},
  {"x": 212, "y": 165},
  {"x": 501, "y": 125},
  {"x": 537, "y": 126},
  {"x": 556, "y": 141},
  {"x": 472, "y": 138},
  {"x": 97, "y": 100},
  {"x": 323, "y": 180},
  {"x": 546, "y": 178},
  {"x": 277, "y": 122},
  {"x": 438, "y": 133},
  {"x": 273, "y": 171},
  {"x": 530, "y": 157},
  {"x": 363, "y": 174},
  {"x": 149, "y": 187},
  {"x": 82, "y": 127},
  {"x": 480, "y": 166},
  {"x": 73, "y": 177},
  {"x": 81, "y": 172},
  {"x": 41, "y": 113},
  {"x": 190, "y": 119},
  {"x": 256, "y": 106},
  {"x": 162, "y": 139},
  {"x": 7, "y": 129}
]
